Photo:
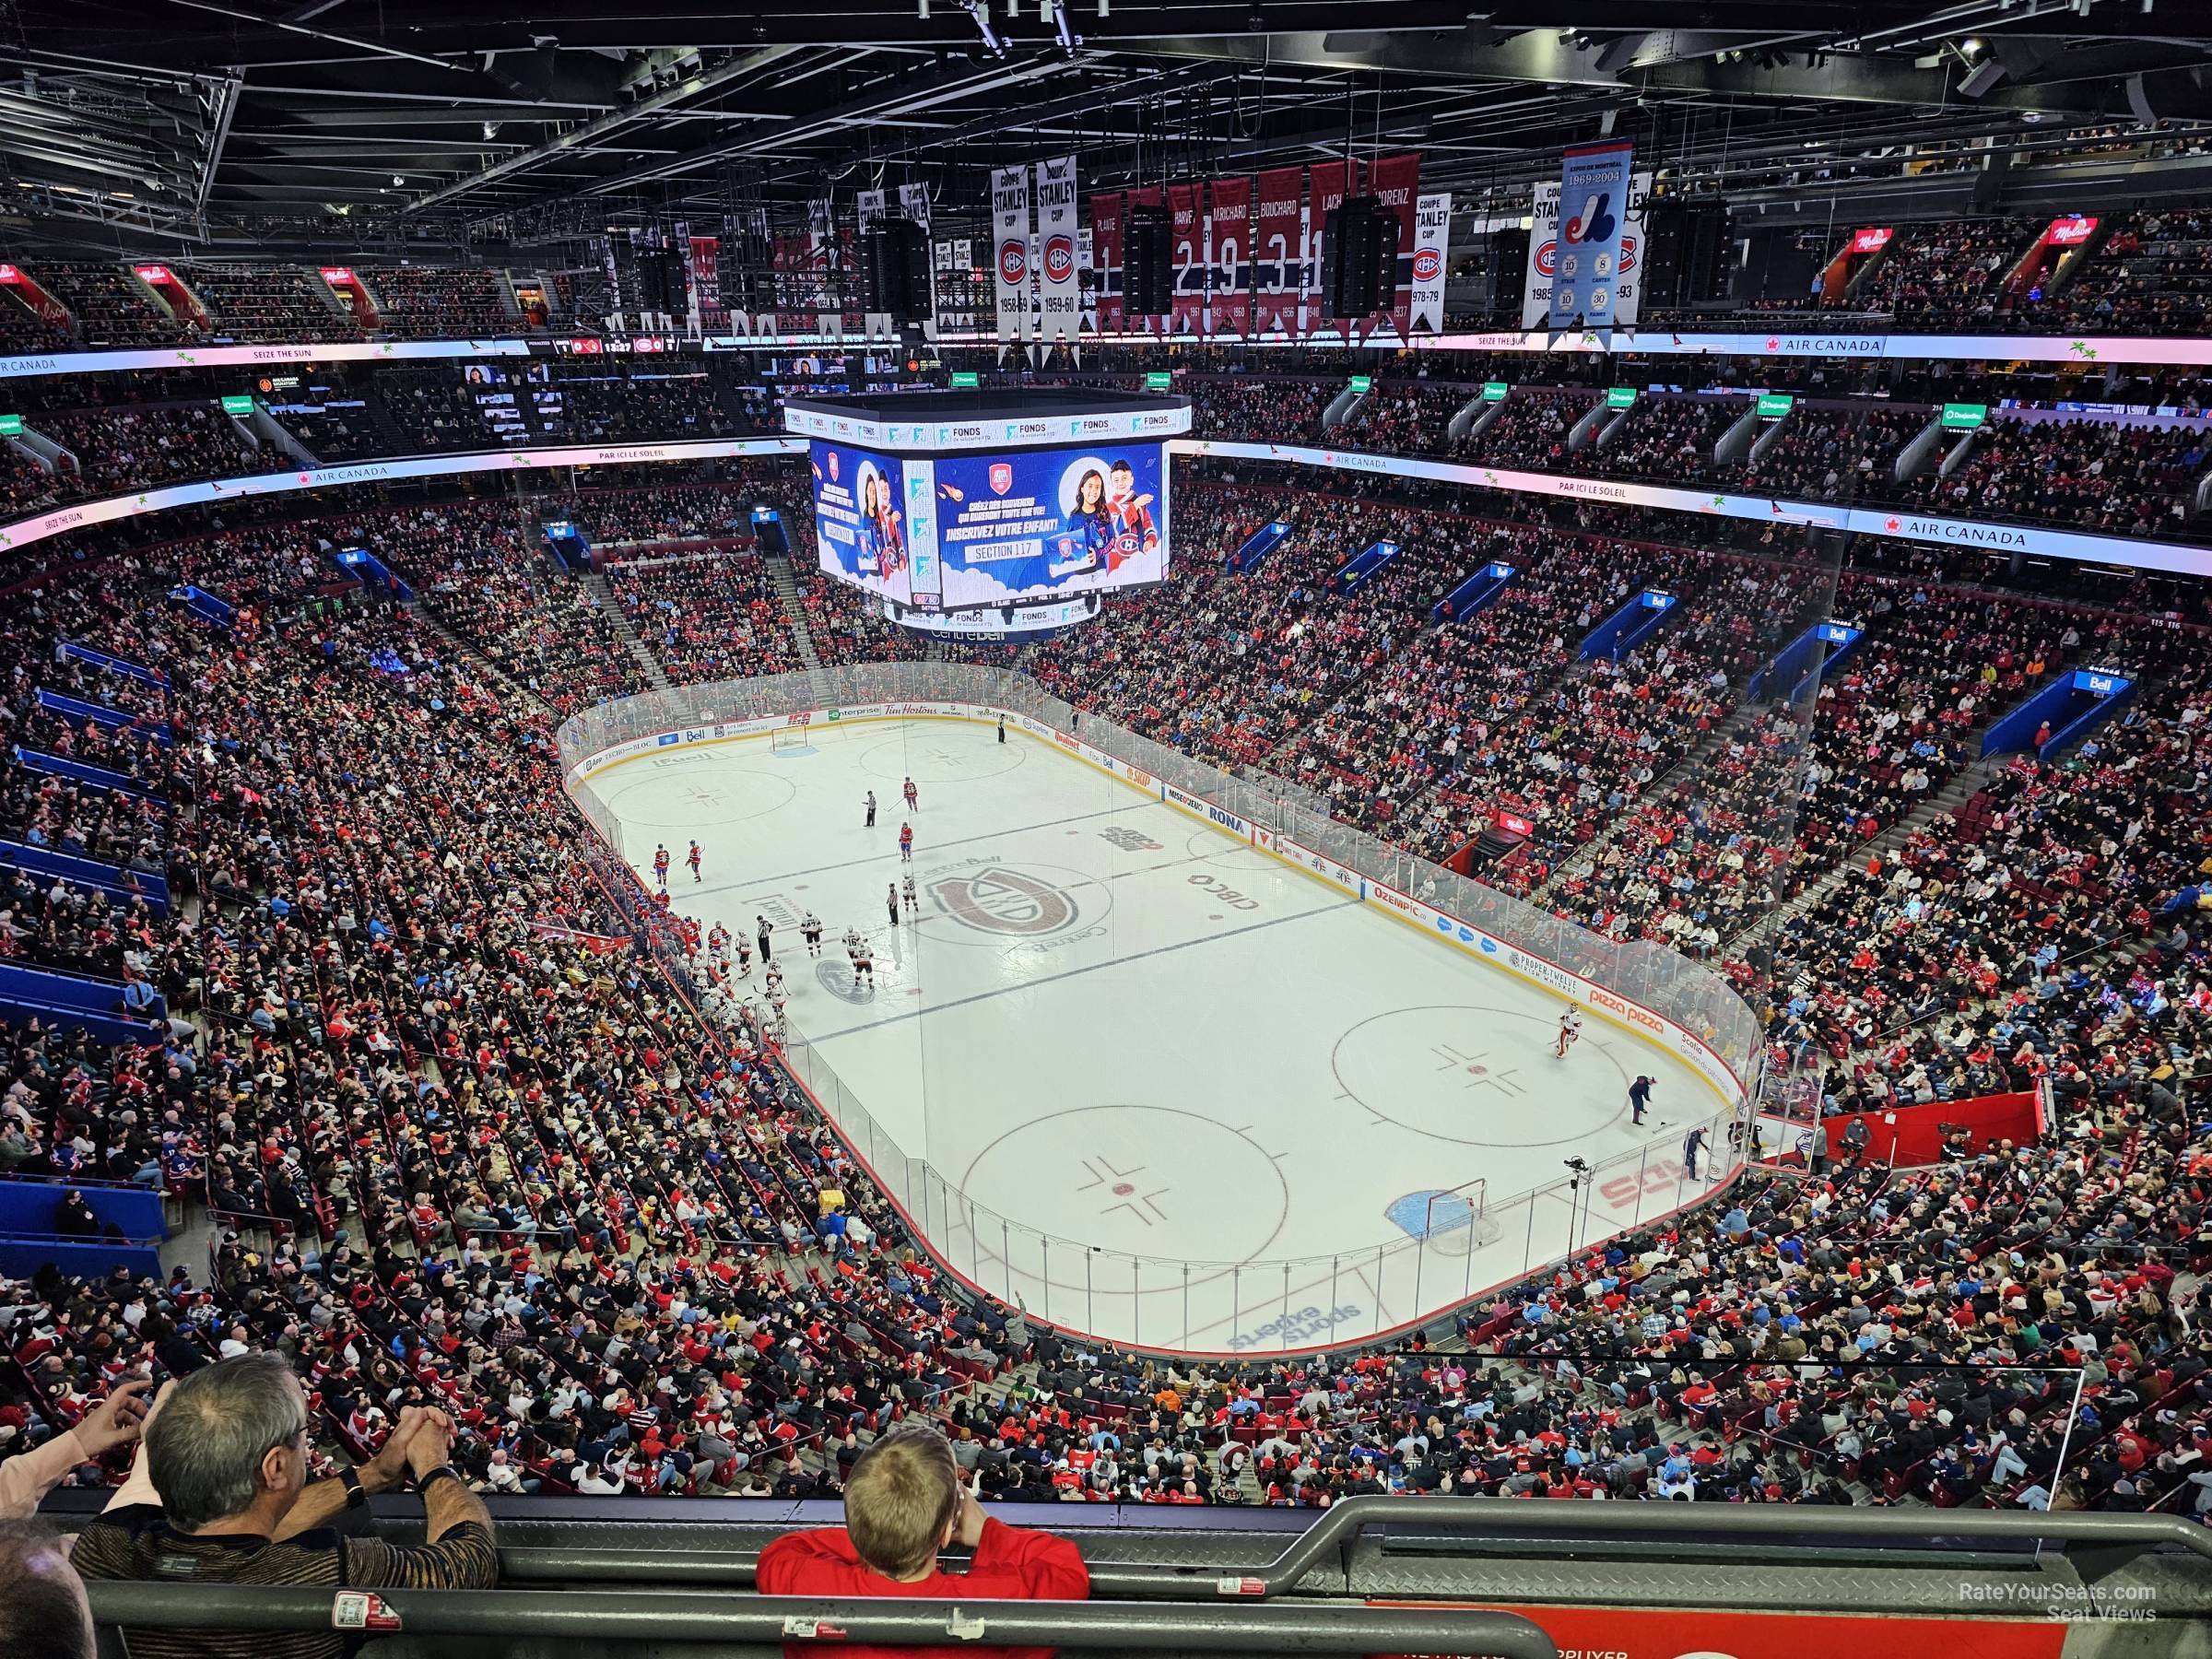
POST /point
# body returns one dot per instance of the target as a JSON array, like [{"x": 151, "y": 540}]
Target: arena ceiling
[{"x": 427, "y": 125}]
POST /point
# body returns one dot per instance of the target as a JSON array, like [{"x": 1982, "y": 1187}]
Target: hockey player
[
  {"x": 890, "y": 899},
  {"x": 906, "y": 891},
  {"x": 691, "y": 858},
  {"x": 906, "y": 844},
  {"x": 858, "y": 953},
  {"x": 718, "y": 941},
  {"x": 660, "y": 866},
  {"x": 773, "y": 978},
  {"x": 745, "y": 958},
  {"x": 1570, "y": 1033},
  {"x": 810, "y": 929},
  {"x": 913, "y": 800}
]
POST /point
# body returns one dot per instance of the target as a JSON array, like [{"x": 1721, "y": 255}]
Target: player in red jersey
[
  {"x": 906, "y": 844},
  {"x": 660, "y": 866},
  {"x": 691, "y": 858}
]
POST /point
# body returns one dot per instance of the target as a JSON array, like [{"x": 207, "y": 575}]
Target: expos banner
[
  {"x": 1593, "y": 210},
  {"x": 1059, "y": 283},
  {"x": 1010, "y": 250},
  {"x": 1543, "y": 254},
  {"x": 1043, "y": 523}
]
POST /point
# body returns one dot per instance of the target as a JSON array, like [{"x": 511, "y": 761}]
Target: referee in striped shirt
[{"x": 220, "y": 1495}]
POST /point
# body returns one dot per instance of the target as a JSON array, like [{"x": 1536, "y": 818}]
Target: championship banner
[
  {"x": 1279, "y": 250},
  {"x": 913, "y": 207},
  {"x": 1010, "y": 249},
  {"x": 1331, "y": 184},
  {"x": 1189, "y": 303},
  {"x": 1087, "y": 280},
  {"x": 1149, "y": 196},
  {"x": 868, "y": 213},
  {"x": 822, "y": 303},
  {"x": 1228, "y": 237},
  {"x": 1544, "y": 255},
  {"x": 1106, "y": 259},
  {"x": 1594, "y": 207},
  {"x": 1059, "y": 282},
  {"x": 1431, "y": 247},
  {"x": 1395, "y": 180},
  {"x": 692, "y": 293}
]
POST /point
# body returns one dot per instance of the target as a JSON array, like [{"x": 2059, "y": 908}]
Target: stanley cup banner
[
  {"x": 870, "y": 206},
  {"x": 913, "y": 207},
  {"x": 1278, "y": 251},
  {"x": 1106, "y": 259},
  {"x": 1431, "y": 245},
  {"x": 1543, "y": 254},
  {"x": 1010, "y": 249},
  {"x": 1189, "y": 262},
  {"x": 1593, "y": 210},
  {"x": 1229, "y": 235},
  {"x": 1059, "y": 279},
  {"x": 1395, "y": 180}
]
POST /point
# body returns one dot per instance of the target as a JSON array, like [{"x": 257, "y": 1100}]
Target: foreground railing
[{"x": 504, "y": 1616}]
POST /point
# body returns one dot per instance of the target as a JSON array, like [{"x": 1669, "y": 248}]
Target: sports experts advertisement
[{"x": 1046, "y": 523}]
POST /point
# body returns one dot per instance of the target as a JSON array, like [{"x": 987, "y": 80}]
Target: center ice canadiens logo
[{"x": 992, "y": 899}]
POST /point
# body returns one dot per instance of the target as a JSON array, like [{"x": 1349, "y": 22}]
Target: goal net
[
  {"x": 1459, "y": 1222},
  {"x": 787, "y": 737}
]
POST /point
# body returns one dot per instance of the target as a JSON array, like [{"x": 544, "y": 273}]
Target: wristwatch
[
  {"x": 424, "y": 1481},
  {"x": 357, "y": 1495}
]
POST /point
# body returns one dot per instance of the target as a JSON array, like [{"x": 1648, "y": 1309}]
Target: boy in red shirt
[{"x": 906, "y": 1501}]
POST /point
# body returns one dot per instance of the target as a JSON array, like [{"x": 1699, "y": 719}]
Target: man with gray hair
[{"x": 220, "y": 1495}]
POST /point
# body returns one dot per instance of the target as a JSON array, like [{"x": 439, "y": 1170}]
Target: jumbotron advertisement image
[{"x": 961, "y": 531}]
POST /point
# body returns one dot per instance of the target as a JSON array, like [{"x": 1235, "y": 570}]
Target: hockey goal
[{"x": 788, "y": 740}]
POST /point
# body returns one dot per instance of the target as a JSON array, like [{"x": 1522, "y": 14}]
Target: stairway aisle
[
  {"x": 787, "y": 593},
  {"x": 602, "y": 596}
]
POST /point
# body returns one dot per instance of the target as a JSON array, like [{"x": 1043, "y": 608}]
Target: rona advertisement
[{"x": 1049, "y": 522}]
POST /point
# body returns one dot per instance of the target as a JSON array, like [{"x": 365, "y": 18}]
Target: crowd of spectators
[
  {"x": 1947, "y": 273},
  {"x": 268, "y": 303},
  {"x": 476, "y": 1150},
  {"x": 439, "y": 302},
  {"x": 2122, "y": 478},
  {"x": 2152, "y": 274},
  {"x": 111, "y": 308},
  {"x": 126, "y": 448},
  {"x": 706, "y": 616}
]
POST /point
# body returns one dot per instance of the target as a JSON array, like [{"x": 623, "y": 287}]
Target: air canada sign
[{"x": 2005, "y": 537}]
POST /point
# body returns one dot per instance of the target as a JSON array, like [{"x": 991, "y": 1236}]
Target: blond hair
[{"x": 902, "y": 1495}]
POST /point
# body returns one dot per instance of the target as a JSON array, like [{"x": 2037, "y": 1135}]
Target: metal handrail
[
  {"x": 1342, "y": 1522},
  {"x": 635, "y": 1616}
]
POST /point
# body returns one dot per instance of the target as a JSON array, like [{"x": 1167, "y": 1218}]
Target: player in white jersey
[
  {"x": 861, "y": 958},
  {"x": 1570, "y": 1033},
  {"x": 774, "y": 978},
  {"x": 906, "y": 893},
  {"x": 745, "y": 957},
  {"x": 810, "y": 929}
]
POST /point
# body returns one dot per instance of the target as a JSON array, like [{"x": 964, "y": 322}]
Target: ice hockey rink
[{"x": 1175, "y": 1091}]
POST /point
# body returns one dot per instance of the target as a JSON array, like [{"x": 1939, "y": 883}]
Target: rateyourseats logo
[{"x": 994, "y": 899}]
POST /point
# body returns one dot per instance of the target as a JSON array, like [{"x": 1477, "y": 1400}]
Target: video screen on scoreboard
[
  {"x": 860, "y": 519},
  {"x": 1046, "y": 523}
]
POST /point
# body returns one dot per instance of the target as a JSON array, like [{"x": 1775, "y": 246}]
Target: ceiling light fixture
[
  {"x": 1069, "y": 39},
  {"x": 981, "y": 12}
]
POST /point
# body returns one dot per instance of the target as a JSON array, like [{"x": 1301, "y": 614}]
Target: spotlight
[
  {"x": 1069, "y": 39},
  {"x": 981, "y": 14}
]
